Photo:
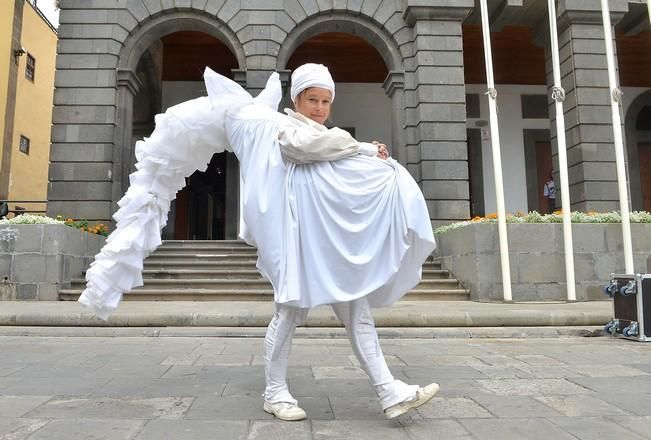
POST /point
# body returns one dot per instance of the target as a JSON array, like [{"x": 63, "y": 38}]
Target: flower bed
[{"x": 470, "y": 250}]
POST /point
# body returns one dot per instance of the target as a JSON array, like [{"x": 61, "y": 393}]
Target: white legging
[{"x": 358, "y": 320}]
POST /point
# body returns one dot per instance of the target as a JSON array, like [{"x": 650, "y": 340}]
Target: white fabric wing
[{"x": 184, "y": 140}]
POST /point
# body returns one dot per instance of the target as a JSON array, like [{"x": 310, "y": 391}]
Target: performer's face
[{"x": 314, "y": 103}]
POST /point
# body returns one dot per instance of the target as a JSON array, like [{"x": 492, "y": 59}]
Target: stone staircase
[{"x": 192, "y": 270}]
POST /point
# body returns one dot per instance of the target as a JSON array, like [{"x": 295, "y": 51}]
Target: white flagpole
[
  {"x": 615, "y": 97},
  {"x": 558, "y": 94},
  {"x": 497, "y": 159}
]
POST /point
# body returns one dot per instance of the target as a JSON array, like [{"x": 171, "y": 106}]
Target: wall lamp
[{"x": 19, "y": 53}]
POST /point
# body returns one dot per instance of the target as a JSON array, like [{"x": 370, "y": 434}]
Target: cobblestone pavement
[{"x": 209, "y": 388}]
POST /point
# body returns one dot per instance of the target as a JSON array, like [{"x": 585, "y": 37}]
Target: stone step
[
  {"x": 239, "y": 244},
  {"x": 246, "y": 284},
  {"x": 245, "y": 273},
  {"x": 223, "y": 263},
  {"x": 145, "y": 294},
  {"x": 208, "y": 255}
]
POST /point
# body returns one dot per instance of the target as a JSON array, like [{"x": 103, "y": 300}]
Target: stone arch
[
  {"x": 134, "y": 47},
  {"x": 632, "y": 141},
  {"x": 168, "y": 22},
  {"x": 373, "y": 33}
]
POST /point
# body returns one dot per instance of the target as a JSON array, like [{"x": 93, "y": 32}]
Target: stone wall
[
  {"x": 536, "y": 254},
  {"x": 38, "y": 260}
]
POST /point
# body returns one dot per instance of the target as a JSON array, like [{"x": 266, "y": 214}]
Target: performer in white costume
[{"x": 335, "y": 221}]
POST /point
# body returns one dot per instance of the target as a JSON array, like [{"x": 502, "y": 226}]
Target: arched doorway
[
  {"x": 170, "y": 72},
  {"x": 361, "y": 105},
  {"x": 638, "y": 146},
  {"x": 643, "y": 128}
]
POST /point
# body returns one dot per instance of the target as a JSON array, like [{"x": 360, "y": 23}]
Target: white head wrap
[{"x": 311, "y": 75}]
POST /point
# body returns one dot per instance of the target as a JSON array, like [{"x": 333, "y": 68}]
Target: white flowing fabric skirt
[{"x": 329, "y": 232}]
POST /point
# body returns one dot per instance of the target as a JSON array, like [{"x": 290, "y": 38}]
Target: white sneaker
[
  {"x": 423, "y": 395},
  {"x": 285, "y": 411}
]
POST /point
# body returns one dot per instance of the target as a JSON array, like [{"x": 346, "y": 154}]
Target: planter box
[
  {"x": 537, "y": 259},
  {"x": 36, "y": 261}
]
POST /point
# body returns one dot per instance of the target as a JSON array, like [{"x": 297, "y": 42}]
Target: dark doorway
[
  {"x": 201, "y": 205},
  {"x": 538, "y": 163},
  {"x": 475, "y": 173},
  {"x": 543, "y": 167},
  {"x": 644, "y": 151}
]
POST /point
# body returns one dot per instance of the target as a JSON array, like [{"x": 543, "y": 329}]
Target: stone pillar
[
  {"x": 588, "y": 121},
  {"x": 436, "y": 106},
  {"x": 128, "y": 87},
  {"x": 394, "y": 86}
]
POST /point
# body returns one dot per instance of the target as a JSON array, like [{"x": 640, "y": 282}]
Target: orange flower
[{"x": 492, "y": 215}]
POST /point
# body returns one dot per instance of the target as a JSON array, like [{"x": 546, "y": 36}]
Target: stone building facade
[{"x": 110, "y": 82}]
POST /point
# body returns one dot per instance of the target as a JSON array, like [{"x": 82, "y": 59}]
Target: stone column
[
  {"x": 394, "y": 86},
  {"x": 588, "y": 121},
  {"x": 436, "y": 106},
  {"x": 128, "y": 87}
]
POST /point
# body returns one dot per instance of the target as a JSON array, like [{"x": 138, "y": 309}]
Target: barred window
[
  {"x": 30, "y": 68},
  {"x": 24, "y": 144}
]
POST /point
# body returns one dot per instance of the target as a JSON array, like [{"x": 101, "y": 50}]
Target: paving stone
[
  {"x": 225, "y": 359},
  {"x": 68, "y": 429},
  {"x": 181, "y": 360},
  {"x": 360, "y": 429},
  {"x": 551, "y": 372},
  {"x": 461, "y": 388},
  {"x": 591, "y": 428},
  {"x": 594, "y": 370},
  {"x": 307, "y": 387},
  {"x": 17, "y": 406},
  {"x": 144, "y": 369},
  {"x": 425, "y": 375},
  {"x": 634, "y": 384},
  {"x": 639, "y": 425},
  {"x": 338, "y": 373},
  {"x": 447, "y": 407},
  {"x": 194, "y": 429},
  {"x": 515, "y": 406},
  {"x": 279, "y": 430},
  {"x": 79, "y": 386},
  {"x": 439, "y": 429},
  {"x": 531, "y": 387},
  {"x": 643, "y": 367},
  {"x": 502, "y": 372},
  {"x": 352, "y": 407},
  {"x": 19, "y": 428},
  {"x": 633, "y": 403},
  {"x": 166, "y": 387},
  {"x": 501, "y": 360},
  {"x": 539, "y": 360},
  {"x": 581, "y": 405},
  {"x": 390, "y": 359},
  {"x": 468, "y": 361},
  {"x": 514, "y": 429},
  {"x": 108, "y": 408},
  {"x": 241, "y": 385},
  {"x": 227, "y": 408},
  {"x": 317, "y": 408}
]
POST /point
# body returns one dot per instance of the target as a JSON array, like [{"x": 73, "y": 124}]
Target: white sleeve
[
  {"x": 304, "y": 145},
  {"x": 368, "y": 149}
]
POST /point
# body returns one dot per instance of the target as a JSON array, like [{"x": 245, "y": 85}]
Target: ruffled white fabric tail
[{"x": 184, "y": 140}]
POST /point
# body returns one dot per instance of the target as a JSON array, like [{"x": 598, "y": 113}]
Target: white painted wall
[
  {"x": 365, "y": 107},
  {"x": 511, "y": 126}
]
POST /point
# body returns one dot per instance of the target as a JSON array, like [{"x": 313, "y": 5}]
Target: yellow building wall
[
  {"x": 6, "y": 27},
  {"x": 33, "y": 115}
]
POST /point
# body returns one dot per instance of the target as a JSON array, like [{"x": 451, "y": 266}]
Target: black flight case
[{"x": 631, "y": 296}]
